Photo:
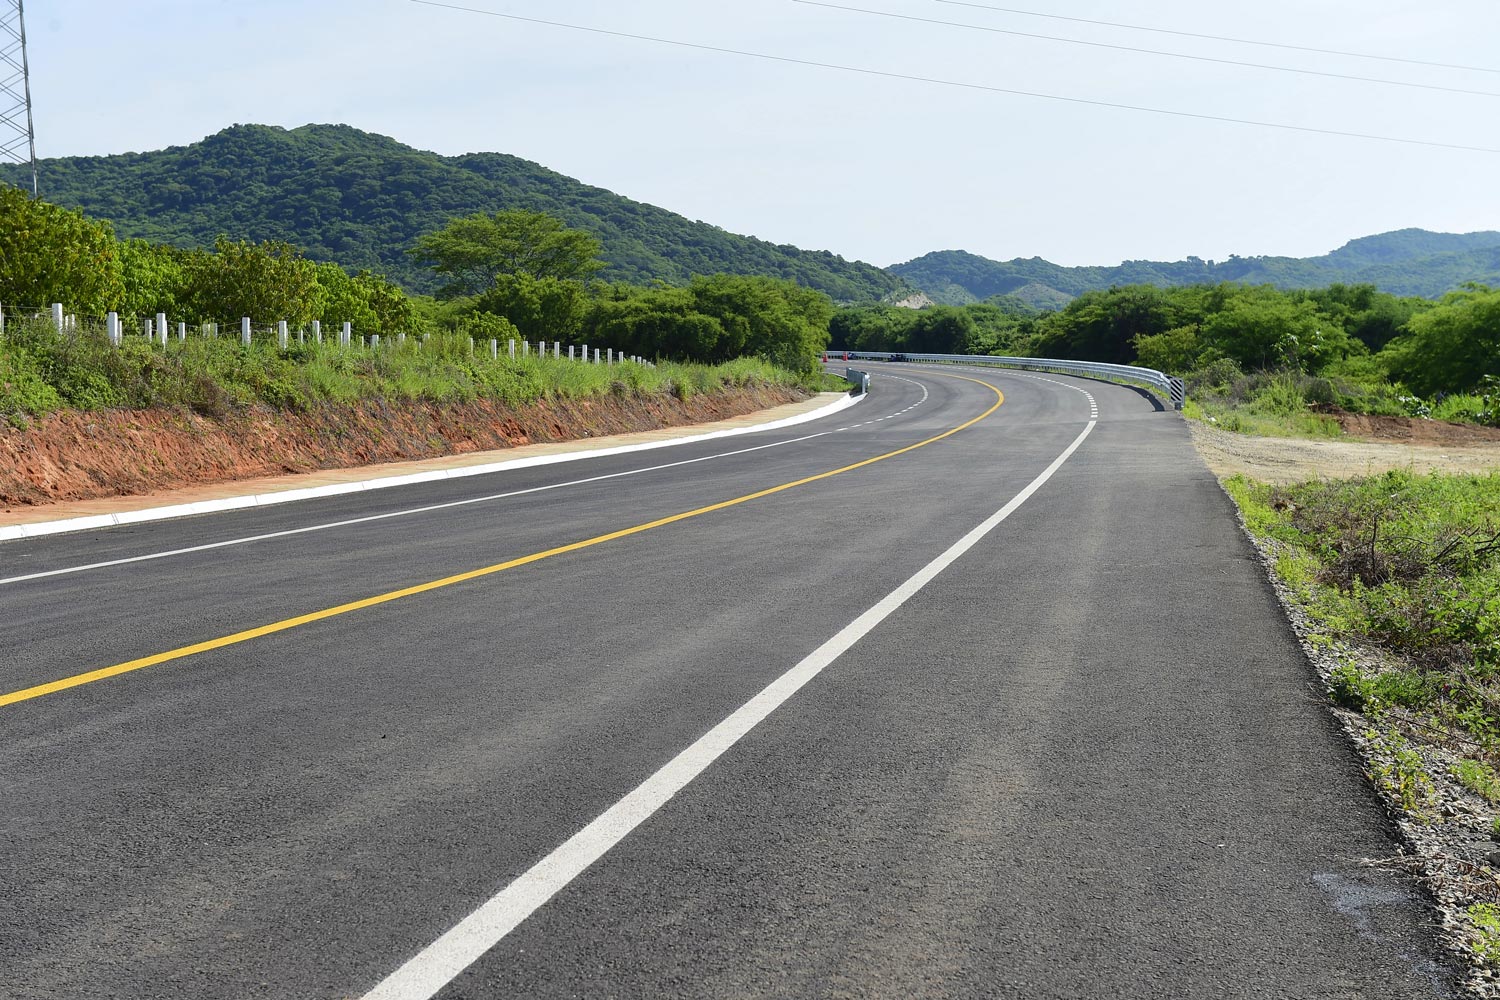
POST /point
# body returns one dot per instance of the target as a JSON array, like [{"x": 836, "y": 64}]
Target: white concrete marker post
[
  {"x": 512, "y": 350},
  {"x": 495, "y": 349},
  {"x": 245, "y": 330},
  {"x": 181, "y": 332},
  {"x": 557, "y": 350},
  {"x": 161, "y": 328},
  {"x": 281, "y": 334},
  {"x": 112, "y": 329},
  {"x": 570, "y": 352},
  {"x": 57, "y": 316},
  {"x": 525, "y": 348},
  {"x": 347, "y": 335},
  {"x": 317, "y": 326}
]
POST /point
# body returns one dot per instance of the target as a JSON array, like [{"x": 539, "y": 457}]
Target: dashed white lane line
[
  {"x": 926, "y": 394},
  {"x": 97, "y": 522},
  {"x": 437, "y": 965},
  {"x": 1093, "y": 403},
  {"x": 428, "y": 509}
]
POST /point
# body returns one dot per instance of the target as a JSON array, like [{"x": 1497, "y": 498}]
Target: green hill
[
  {"x": 1406, "y": 262},
  {"x": 361, "y": 199}
]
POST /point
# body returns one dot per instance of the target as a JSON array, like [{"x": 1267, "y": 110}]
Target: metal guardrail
[
  {"x": 860, "y": 380},
  {"x": 1170, "y": 386}
]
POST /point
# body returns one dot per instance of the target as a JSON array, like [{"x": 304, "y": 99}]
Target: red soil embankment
[{"x": 83, "y": 456}]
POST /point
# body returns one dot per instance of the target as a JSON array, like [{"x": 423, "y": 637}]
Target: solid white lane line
[{"x": 441, "y": 962}]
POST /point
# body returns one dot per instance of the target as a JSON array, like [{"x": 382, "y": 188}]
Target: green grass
[
  {"x": 1485, "y": 919},
  {"x": 42, "y": 371},
  {"x": 1406, "y": 564},
  {"x": 1292, "y": 403},
  {"x": 1479, "y": 778}
]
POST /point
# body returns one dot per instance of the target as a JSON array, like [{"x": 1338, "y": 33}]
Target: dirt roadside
[
  {"x": 1376, "y": 444},
  {"x": 73, "y": 457}
]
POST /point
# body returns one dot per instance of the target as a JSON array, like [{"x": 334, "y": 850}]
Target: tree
[
  {"x": 542, "y": 308},
  {"x": 266, "y": 281},
  {"x": 1176, "y": 350},
  {"x": 367, "y": 301},
  {"x": 1262, "y": 328},
  {"x": 471, "y": 251},
  {"x": 765, "y": 317},
  {"x": 155, "y": 278},
  {"x": 1452, "y": 347},
  {"x": 50, "y": 254}
]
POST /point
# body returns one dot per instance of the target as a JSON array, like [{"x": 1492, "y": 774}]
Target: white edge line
[
  {"x": 433, "y": 968},
  {"x": 95, "y": 522}
]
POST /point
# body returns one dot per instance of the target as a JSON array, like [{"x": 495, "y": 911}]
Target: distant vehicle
[{"x": 896, "y": 357}]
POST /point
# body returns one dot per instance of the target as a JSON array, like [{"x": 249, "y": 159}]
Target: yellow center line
[{"x": 104, "y": 673}]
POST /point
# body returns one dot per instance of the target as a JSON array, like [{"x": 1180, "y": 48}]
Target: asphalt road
[{"x": 1083, "y": 759}]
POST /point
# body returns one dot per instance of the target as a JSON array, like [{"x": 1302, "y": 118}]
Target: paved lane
[{"x": 1016, "y": 785}]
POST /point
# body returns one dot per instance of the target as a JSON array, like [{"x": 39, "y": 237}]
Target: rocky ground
[
  {"x": 1449, "y": 839},
  {"x": 87, "y": 455}
]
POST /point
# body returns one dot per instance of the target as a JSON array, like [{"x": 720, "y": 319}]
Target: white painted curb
[{"x": 98, "y": 521}]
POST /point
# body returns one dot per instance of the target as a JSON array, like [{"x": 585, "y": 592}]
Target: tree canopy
[{"x": 472, "y": 251}]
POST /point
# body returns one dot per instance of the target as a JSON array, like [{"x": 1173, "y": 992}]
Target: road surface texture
[{"x": 1080, "y": 756}]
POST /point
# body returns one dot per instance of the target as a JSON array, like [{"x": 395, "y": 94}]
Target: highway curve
[{"x": 734, "y": 718}]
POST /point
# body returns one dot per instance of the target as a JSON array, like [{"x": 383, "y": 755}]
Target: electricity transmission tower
[{"x": 17, "y": 136}]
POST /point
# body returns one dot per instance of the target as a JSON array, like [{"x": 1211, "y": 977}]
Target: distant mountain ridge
[
  {"x": 1404, "y": 262},
  {"x": 361, "y": 200}
]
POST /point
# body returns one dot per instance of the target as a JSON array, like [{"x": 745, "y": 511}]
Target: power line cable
[
  {"x": 1223, "y": 38},
  {"x": 910, "y": 78},
  {"x": 1150, "y": 52}
]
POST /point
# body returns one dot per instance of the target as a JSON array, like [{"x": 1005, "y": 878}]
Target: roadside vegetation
[
  {"x": 42, "y": 371},
  {"x": 1256, "y": 359},
  {"x": 510, "y": 277},
  {"x": 1396, "y": 579}
]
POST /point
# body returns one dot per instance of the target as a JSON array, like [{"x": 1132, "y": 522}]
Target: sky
[{"x": 872, "y": 167}]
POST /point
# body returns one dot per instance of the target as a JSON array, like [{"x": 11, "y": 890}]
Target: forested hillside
[
  {"x": 1407, "y": 262},
  {"x": 361, "y": 200}
]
